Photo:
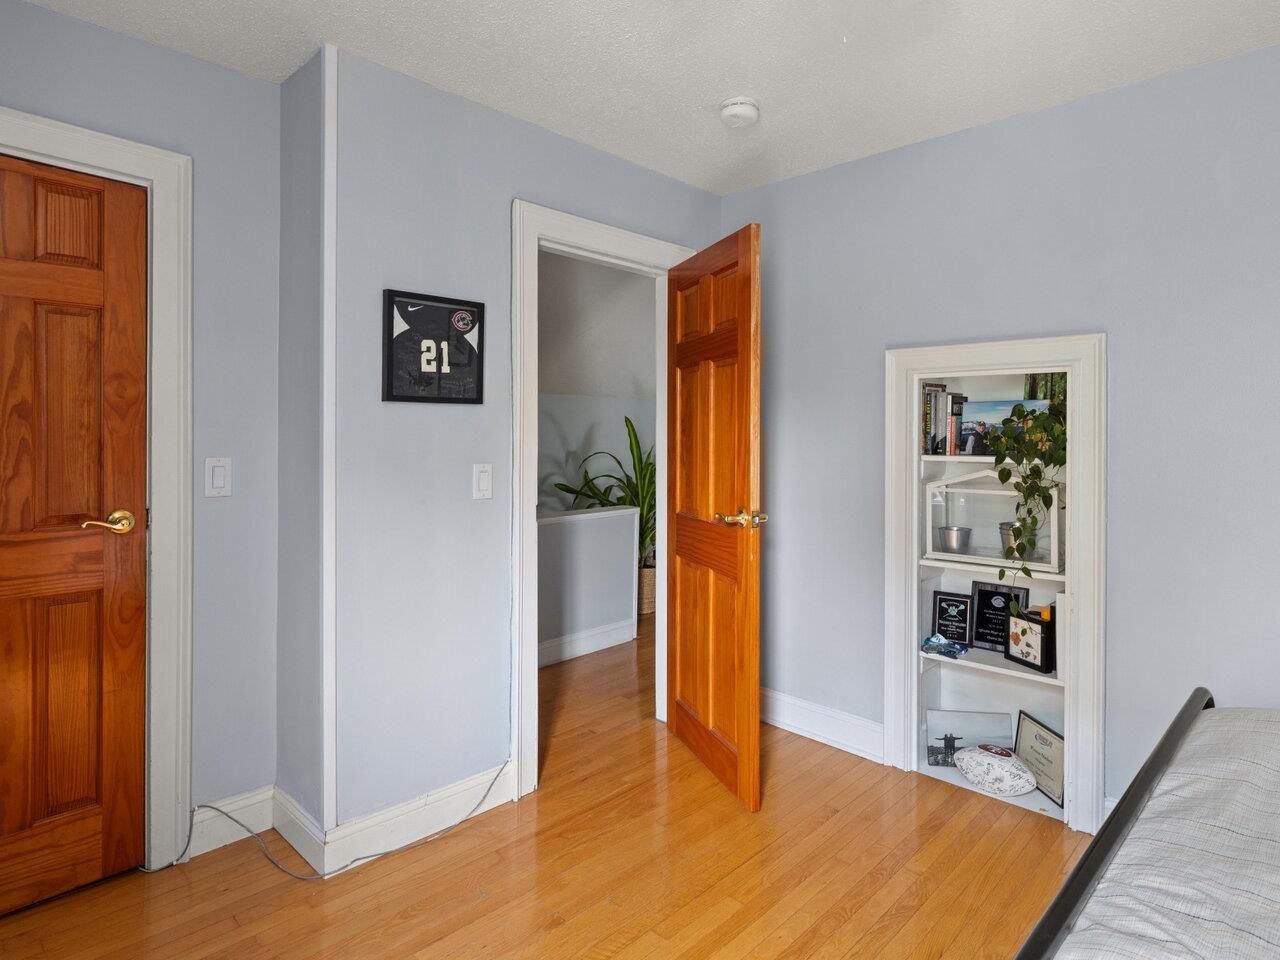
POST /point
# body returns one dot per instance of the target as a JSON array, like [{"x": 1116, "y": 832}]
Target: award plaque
[
  {"x": 990, "y": 614},
  {"x": 1044, "y": 751},
  {"x": 951, "y": 615}
]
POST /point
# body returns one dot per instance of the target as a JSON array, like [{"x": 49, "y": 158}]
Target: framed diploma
[
  {"x": 1043, "y": 750},
  {"x": 951, "y": 615},
  {"x": 990, "y": 614}
]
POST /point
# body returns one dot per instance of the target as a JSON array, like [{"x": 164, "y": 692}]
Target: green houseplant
[
  {"x": 1030, "y": 448},
  {"x": 636, "y": 487}
]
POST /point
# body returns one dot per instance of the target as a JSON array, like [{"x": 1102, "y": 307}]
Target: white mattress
[{"x": 1199, "y": 874}]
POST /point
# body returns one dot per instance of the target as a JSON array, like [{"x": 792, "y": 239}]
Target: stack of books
[{"x": 940, "y": 420}]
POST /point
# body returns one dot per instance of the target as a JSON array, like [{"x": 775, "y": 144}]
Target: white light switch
[
  {"x": 217, "y": 476},
  {"x": 482, "y": 481}
]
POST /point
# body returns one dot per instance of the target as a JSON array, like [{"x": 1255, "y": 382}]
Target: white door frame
[
  {"x": 1081, "y": 663},
  {"x": 535, "y": 228},
  {"x": 167, "y": 178}
]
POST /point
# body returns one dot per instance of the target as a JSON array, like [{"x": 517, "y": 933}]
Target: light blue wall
[
  {"x": 571, "y": 427},
  {"x": 299, "y": 660},
  {"x": 426, "y": 181},
  {"x": 1151, "y": 213},
  {"x": 230, "y": 125}
]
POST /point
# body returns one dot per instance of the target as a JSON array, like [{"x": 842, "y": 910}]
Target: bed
[{"x": 1188, "y": 863}]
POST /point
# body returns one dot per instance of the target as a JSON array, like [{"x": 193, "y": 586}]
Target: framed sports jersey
[{"x": 432, "y": 348}]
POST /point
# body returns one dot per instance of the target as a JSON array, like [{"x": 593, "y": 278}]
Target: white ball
[{"x": 995, "y": 770}]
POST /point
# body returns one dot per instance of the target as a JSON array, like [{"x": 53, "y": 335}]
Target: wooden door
[
  {"x": 713, "y": 569},
  {"x": 73, "y": 360}
]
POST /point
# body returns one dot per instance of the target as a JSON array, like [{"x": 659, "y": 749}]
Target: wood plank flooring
[{"x": 629, "y": 849}]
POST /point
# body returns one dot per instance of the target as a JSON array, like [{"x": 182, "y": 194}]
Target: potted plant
[
  {"x": 637, "y": 487},
  {"x": 1030, "y": 448}
]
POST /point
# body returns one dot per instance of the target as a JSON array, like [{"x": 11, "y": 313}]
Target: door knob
[{"x": 118, "y": 521}]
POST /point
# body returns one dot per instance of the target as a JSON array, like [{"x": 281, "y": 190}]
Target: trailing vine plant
[{"x": 1030, "y": 448}]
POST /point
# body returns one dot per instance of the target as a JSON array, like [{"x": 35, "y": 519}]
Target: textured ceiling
[{"x": 835, "y": 79}]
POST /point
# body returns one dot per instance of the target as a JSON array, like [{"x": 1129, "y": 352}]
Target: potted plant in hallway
[{"x": 636, "y": 487}]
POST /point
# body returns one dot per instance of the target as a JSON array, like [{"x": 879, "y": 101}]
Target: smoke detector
[{"x": 738, "y": 112}]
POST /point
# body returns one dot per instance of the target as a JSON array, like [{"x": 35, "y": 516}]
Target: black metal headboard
[{"x": 1057, "y": 921}]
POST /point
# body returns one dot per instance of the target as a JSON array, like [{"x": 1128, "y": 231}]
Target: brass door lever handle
[
  {"x": 743, "y": 519},
  {"x": 119, "y": 521}
]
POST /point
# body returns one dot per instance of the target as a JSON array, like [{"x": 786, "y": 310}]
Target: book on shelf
[
  {"x": 954, "y": 411},
  {"x": 930, "y": 416}
]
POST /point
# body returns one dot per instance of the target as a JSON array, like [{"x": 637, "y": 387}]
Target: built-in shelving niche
[{"x": 984, "y": 680}]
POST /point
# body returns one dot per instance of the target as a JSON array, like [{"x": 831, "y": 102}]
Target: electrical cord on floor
[{"x": 315, "y": 875}]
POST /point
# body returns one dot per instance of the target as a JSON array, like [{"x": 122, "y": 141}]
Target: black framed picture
[
  {"x": 1044, "y": 751},
  {"x": 432, "y": 348},
  {"x": 990, "y": 614},
  {"x": 1031, "y": 641},
  {"x": 951, "y": 615}
]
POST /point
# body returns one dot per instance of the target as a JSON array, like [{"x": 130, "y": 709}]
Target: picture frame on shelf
[
  {"x": 980, "y": 417},
  {"x": 951, "y": 616},
  {"x": 950, "y": 730},
  {"x": 1044, "y": 751},
  {"x": 990, "y": 613},
  {"x": 1032, "y": 642}
]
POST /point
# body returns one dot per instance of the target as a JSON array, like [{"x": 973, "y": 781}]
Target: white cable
[{"x": 266, "y": 852}]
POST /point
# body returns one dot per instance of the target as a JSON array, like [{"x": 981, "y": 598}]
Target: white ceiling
[{"x": 835, "y": 79}]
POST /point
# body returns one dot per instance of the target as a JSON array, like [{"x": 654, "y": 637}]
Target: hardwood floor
[{"x": 630, "y": 849}]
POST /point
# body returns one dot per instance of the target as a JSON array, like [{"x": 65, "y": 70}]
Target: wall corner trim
[
  {"x": 299, "y": 829},
  {"x": 844, "y": 731}
]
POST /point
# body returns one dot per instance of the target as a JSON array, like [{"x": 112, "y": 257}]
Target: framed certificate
[
  {"x": 951, "y": 615},
  {"x": 1043, "y": 750}
]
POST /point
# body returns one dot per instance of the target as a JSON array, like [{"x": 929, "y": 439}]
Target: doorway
[
  {"x": 597, "y": 489},
  {"x": 537, "y": 230},
  {"x": 73, "y": 528},
  {"x": 166, "y": 178}
]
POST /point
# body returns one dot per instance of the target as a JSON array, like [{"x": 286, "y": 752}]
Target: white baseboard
[
  {"x": 406, "y": 822},
  {"x": 211, "y": 829},
  {"x": 299, "y": 829},
  {"x": 587, "y": 641},
  {"x": 844, "y": 731},
  {"x": 367, "y": 836}
]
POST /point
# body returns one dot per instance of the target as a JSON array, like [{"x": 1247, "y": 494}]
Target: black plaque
[
  {"x": 951, "y": 615},
  {"x": 990, "y": 614},
  {"x": 432, "y": 348}
]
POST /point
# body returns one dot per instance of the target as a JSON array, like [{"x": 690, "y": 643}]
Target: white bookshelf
[{"x": 1070, "y": 699}]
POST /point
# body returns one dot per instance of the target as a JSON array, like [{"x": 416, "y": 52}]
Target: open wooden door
[
  {"x": 713, "y": 569},
  {"x": 73, "y": 459}
]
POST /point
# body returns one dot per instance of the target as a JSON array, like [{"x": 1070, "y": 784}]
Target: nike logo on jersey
[{"x": 418, "y": 307}]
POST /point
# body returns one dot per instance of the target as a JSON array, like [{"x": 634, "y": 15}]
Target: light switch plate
[
  {"x": 217, "y": 476},
  {"x": 482, "y": 481}
]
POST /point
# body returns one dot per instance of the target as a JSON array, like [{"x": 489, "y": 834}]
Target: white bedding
[{"x": 1199, "y": 874}]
